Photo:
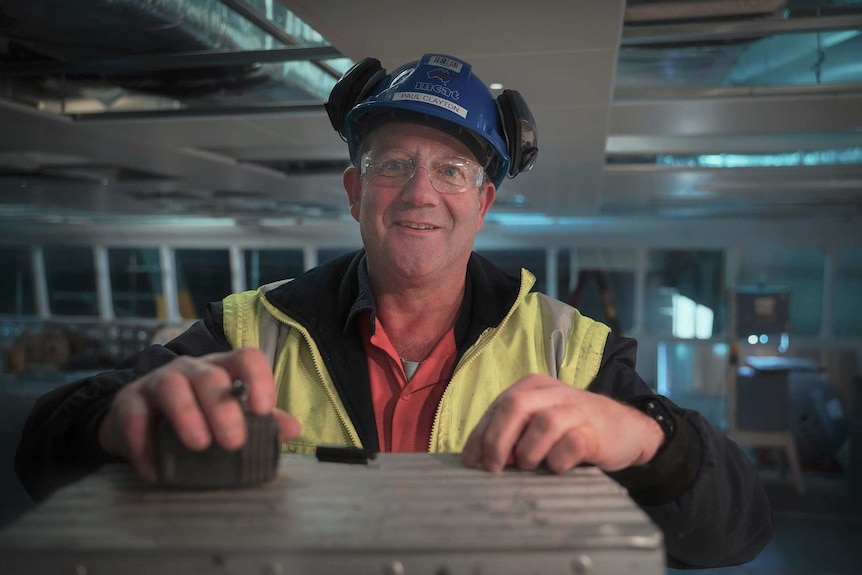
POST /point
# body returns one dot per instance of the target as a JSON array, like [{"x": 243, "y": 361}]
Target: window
[
  {"x": 16, "y": 289},
  {"x": 136, "y": 282},
  {"x": 799, "y": 272},
  {"x": 685, "y": 293},
  {"x": 203, "y": 276},
  {"x": 693, "y": 374},
  {"x": 266, "y": 266},
  {"x": 71, "y": 276},
  {"x": 602, "y": 284},
  {"x": 848, "y": 294}
]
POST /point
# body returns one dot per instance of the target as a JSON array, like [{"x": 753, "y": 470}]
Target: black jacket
[{"x": 700, "y": 489}]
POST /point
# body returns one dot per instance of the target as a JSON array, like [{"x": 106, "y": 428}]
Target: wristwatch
[{"x": 652, "y": 406}]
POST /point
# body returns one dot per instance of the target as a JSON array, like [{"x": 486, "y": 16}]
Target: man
[{"x": 415, "y": 343}]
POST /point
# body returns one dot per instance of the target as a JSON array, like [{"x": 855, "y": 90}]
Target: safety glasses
[{"x": 393, "y": 167}]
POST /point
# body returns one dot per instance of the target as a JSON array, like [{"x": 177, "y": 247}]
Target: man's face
[{"x": 412, "y": 231}]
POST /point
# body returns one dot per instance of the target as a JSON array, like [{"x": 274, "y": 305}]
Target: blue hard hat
[{"x": 440, "y": 91}]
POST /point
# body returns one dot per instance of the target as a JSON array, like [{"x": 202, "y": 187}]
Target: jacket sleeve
[
  {"x": 59, "y": 442},
  {"x": 700, "y": 488}
]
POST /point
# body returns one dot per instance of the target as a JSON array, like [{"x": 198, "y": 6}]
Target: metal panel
[
  {"x": 735, "y": 29},
  {"x": 33, "y": 130},
  {"x": 394, "y": 30},
  {"x": 777, "y": 114},
  {"x": 402, "y": 513}
]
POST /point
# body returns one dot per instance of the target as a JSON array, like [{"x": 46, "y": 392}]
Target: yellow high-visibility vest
[{"x": 538, "y": 335}]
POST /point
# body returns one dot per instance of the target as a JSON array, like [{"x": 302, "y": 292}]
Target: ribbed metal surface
[{"x": 411, "y": 513}]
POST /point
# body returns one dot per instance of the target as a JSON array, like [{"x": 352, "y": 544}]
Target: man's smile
[{"x": 416, "y": 225}]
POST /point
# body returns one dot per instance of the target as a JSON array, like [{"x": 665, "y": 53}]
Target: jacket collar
[{"x": 489, "y": 295}]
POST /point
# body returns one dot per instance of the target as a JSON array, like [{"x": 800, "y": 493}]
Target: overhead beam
[
  {"x": 173, "y": 61},
  {"x": 739, "y": 30},
  {"x": 220, "y": 112},
  {"x": 28, "y": 129},
  {"x": 738, "y": 116},
  {"x": 738, "y": 144},
  {"x": 641, "y": 183}
]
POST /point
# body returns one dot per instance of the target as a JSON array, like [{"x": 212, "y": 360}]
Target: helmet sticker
[
  {"x": 400, "y": 78},
  {"x": 437, "y": 89},
  {"x": 444, "y": 62},
  {"x": 431, "y": 99},
  {"x": 440, "y": 74}
]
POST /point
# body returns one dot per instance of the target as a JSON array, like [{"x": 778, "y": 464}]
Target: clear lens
[{"x": 448, "y": 174}]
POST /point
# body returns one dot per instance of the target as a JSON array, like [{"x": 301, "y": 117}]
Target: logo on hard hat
[{"x": 440, "y": 74}]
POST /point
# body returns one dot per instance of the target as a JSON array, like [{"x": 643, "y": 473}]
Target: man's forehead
[{"x": 404, "y": 134}]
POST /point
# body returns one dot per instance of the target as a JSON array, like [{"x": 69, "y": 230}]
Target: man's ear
[
  {"x": 352, "y": 181},
  {"x": 486, "y": 199}
]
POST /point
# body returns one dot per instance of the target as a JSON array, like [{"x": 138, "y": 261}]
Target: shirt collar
[{"x": 501, "y": 290}]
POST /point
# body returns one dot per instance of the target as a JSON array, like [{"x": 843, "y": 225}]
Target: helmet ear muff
[
  {"x": 353, "y": 87},
  {"x": 520, "y": 130}
]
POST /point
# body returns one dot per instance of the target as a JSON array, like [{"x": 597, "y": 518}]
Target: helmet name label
[{"x": 432, "y": 99}]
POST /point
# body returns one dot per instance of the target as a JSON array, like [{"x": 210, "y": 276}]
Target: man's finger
[
  {"x": 222, "y": 411},
  {"x": 577, "y": 445},
  {"x": 134, "y": 418},
  {"x": 250, "y": 366},
  {"x": 512, "y": 413},
  {"x": 171, "y": 392},
  {"x": 542, "y": 432},
  {"x": 491, "y": 442}
]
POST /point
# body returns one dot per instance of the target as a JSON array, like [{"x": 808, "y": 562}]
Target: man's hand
[
  {"x": 194, "y": 394},
  {"x": 541, "y": 419}
]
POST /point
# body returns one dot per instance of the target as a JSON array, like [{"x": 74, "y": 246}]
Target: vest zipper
[
  {"x": 317, "y": 367},
  {"x": 474, "y": 352}
]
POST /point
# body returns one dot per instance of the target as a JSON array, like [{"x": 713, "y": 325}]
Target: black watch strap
[
  {"x": 652, "y": 406},
  {"x": 674, "y": 467}
]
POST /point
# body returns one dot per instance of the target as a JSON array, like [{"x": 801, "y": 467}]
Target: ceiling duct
[
  {"x": 694, "y": 10},
  {"x": 100, "y": 28},
  {"x": 49, "y": 31}
]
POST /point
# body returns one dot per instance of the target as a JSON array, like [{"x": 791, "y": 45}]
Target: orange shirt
[{"x": 404, "y": 409}]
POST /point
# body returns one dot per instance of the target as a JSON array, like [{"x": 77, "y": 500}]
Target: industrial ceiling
[{"x": 188, "y": 112}]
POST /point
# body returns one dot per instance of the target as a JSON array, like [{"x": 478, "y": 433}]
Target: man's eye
[
  {"x": 451, "y": 171},
  {"x": 393, "y": 167}
]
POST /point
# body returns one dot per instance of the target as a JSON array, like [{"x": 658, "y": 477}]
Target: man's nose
[{"x": 420, "y": 190}]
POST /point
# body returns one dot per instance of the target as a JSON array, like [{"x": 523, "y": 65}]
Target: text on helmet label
[{"x": 432, "y": 99}]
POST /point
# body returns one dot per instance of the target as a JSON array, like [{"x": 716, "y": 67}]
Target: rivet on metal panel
[
  {"x": 80, "y": 569},
  {"x": 393, "y": 568},
  {"x": 274, "y": 568},
  {"x": 581, "y": 564}
]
